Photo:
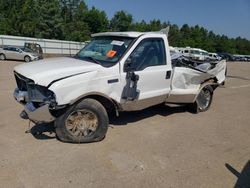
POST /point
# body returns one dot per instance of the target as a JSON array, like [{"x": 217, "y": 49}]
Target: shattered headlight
[{"x": 40, "y": 94}]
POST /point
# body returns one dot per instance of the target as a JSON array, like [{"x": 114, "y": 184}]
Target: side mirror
[{"x": 128, "y": 66}]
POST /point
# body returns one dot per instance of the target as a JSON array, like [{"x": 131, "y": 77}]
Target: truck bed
[{"x": 188, "y": 79}]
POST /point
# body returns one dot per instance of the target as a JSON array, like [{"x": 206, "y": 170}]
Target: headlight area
[
  {"x": 41, "y": 95},
  {"x": 39, "y": 103}
]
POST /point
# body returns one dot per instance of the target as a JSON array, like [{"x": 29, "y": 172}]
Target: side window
[
  {"x": 8, "y": 49},
  {"x": 15, "y": 49},
  {"x": 12, "y": 49},
  {"x": 150, "y": 52}
]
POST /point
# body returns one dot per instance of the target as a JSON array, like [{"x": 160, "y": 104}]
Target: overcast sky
[{"x": 229, "y": 17}]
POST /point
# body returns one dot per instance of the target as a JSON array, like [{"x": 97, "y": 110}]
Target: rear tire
[
  {"x": 2, "y": 57},
  {"x": 27, "y": 59},
  {"x": 84, "y": 122},
  {"x": 203, "y": 100}
]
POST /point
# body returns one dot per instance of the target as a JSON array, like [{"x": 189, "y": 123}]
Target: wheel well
[
  {"x": 211, "y": 82},
  {"x": 109, "y": 104}
]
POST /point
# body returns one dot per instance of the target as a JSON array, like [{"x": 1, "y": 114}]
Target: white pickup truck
[{"x": 116, "y": 71}]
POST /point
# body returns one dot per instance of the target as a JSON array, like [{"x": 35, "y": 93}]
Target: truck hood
[{"x": 44, "y": 72}]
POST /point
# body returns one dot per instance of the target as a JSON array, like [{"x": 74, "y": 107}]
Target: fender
[
  {"x": 99, "y": 97},
  {"x": 54, "y": 81}
]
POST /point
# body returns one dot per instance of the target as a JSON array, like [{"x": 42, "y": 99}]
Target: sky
[{"x": 228, "y": 17}]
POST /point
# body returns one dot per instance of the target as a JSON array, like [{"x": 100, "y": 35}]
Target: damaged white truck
[{"x": 116, "y": 71}]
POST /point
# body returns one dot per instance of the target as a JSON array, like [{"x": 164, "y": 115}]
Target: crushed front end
[{"x": 39, "y": 102}]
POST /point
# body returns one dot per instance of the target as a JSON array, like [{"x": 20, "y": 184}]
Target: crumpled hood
[{"x": 44, "y": 72}]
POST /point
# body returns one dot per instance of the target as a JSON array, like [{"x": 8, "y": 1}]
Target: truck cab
[{"x": 116, "y": 71}]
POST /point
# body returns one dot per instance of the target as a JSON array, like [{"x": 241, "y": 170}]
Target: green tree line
[{"x": 73, "y": 20}]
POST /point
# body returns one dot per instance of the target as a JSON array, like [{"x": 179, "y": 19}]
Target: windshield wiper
[{"x": 93, "y": 60}]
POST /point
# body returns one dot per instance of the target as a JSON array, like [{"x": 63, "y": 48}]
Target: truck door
[{"x": 149, "y": 73}]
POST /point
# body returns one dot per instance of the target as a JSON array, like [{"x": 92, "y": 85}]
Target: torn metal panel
[
  {"x": 219, "y": 71},
  {"x": 187, "y": 81}
]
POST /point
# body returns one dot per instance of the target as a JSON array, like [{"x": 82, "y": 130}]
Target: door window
[
  {"x": 8, "y": 49},
  {"x": 150, "y": 52},
  {"x": 15, "y": 49},
  {"x": 12, "y": 49}
]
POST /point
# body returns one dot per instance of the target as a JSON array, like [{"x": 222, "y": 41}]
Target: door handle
[{"x": 168, "y": 74}]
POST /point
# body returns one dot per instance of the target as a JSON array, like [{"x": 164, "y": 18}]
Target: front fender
[{"x": 70, "y": 90}]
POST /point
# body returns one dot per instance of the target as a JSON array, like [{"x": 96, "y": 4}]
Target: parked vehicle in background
[
  {"x": 173, "y": 50},
  {"x": 15, "y": 53},
  {"x": 36, "y": 48},
  {"x": 227, "y": 56},
  {"x": 184, "y": 51},
  {"x": 242, "y": 58},
  {"x": 248, "y": 58},
  {"x": 238, "y": 58},
  {"x": 194, "y": 53},
  {"x": 214, "y": 57},
  {"x": 199, "y": 54}
]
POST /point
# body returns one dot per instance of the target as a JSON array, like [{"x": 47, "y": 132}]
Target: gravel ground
[{"x": 156, "y": 147}]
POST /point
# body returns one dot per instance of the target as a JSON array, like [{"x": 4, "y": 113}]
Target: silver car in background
[{"x": 15, "y": 53}]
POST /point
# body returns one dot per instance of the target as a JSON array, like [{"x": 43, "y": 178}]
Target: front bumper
[
  {"x": 34, "y": 58},
  {"x": 39, "y": 114}
]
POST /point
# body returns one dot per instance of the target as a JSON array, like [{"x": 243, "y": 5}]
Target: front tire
[
  {"x": 203, "y": 100},
  {"x": 27, "y": 59},
  {"x": 2, "y": 57},
  {"x": 84, "y": 122}
]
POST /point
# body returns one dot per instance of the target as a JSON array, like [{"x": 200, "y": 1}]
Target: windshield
[{"x": 108, "y": 49}]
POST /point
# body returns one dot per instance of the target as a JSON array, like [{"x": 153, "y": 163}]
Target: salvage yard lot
[{"x": 156, "y": 147}]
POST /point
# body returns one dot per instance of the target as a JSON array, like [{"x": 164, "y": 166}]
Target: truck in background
[
  {"x": 194, "y": 53},
  {"x": 36, "y": 48}
]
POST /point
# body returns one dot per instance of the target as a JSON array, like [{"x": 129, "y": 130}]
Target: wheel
[
  {"x": 203, "y": 100},
  {"x": 27, "y": 59},
  {"x": 2, "y": 57},
  {"x": 86, "y": 121}
]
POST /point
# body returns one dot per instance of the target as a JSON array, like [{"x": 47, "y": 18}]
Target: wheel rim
[
  {"x": 27, "y": 59},
  {"x": 203, "y": 99},
  {"x": 2, "y": 57},
  {"x": 82, "y": 123}
]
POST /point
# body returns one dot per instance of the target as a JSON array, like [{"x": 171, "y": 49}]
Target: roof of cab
[
  {"x": 131, "y": 34},
  {"x": 119, "y": 34}
]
